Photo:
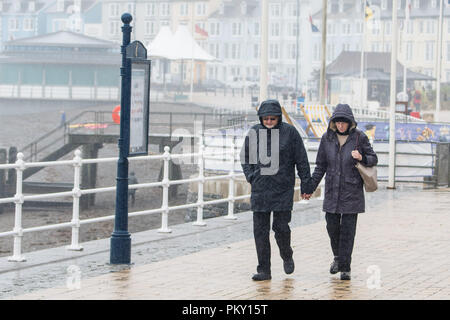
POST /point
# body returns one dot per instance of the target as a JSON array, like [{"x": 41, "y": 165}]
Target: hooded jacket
[
  {"x": 344, "y": 191},
  {"x": 273, "y": 183}
]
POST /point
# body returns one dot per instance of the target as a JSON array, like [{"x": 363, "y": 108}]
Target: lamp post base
[{"x": 120, "y": 248}]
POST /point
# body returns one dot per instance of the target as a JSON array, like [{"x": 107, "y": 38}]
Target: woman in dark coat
[
  {"x": 271, "y": 151},
  {"x": 344, "y": 195}
]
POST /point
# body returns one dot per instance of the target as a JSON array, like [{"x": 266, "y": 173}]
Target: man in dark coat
[
  {"x": 269, "y": 155},
  {"x": 339, "y": 150}
]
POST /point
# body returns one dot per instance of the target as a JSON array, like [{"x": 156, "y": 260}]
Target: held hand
[
  {"x": 356, "y": 155},
  {"x": 306, "y": 196}
]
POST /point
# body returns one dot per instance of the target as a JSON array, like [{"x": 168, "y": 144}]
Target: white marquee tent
[{"x": 178, "y": 46}]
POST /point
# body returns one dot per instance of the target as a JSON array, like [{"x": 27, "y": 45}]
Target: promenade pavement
[{"x": 401, "y": 252}]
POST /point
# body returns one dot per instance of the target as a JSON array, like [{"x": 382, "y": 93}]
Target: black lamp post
[{"x": 120, "y": 239}]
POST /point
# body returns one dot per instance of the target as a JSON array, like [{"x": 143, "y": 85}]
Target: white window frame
[
  {"x": 214, "y": 28},
  {"x": 150, "y": 9},
  {"x": 114, "y": 9},
  {"x": 200, "y": 9},
  {"x": 388, "y": 27},
  {"x": 150, "y": 28},
  {"x": 114, "y": 27},
  {"x": 274, "y": 51},
  {"x": 275, "y": 10},
  {"x": 256, "y": 51},
  {"x": 164, "y": 9},
  {"x": 275, "y": 29},
  {"x": 409, "y": 50},
  {"x": 184, "y": 9},
  {"x": 236, "y": 29},
  {"x": 28, "y": 24},
  {"x": 429, "y": 51},
  {"x": 256, "y": 29},
  {"x": 13, "y": 24},
  {"x": 131, "y": 7}
]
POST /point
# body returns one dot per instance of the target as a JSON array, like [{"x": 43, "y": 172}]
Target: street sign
[
  {"x": 139, "y": 98},
  {"x": 139, "y": 107}
]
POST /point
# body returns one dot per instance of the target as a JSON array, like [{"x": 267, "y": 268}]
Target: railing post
[
  {"x": 165, "y": 201},
  {"x": 19, "y": 200},
  {"x": 75, "y": 246},
  {"x": 231, "y": 178},
  {"x": 201, "y": 182}
]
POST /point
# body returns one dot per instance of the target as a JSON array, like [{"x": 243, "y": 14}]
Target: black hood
[
  {"x": 270, "y": 108},
  {"x": 342, "y": 111}
]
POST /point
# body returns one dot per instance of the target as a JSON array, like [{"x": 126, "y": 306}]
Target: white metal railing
[{"x": 19, "y": 198}]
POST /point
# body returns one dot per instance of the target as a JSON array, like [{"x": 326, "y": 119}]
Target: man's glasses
[{"x": 270, "y": 118}]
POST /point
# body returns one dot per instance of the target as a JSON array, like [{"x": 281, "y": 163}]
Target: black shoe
[
  {"x": 345, "y": 275},
  {"x": 261, "y": 276},
  {"x": 334, "y": 268},
  {"x": 289, "y": 266}
]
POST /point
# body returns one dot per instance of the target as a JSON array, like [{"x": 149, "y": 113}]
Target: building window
[
  {"x": 429, "y": 50},
  {"x": 275, "y": 29},
  {"x": 225, "y": 51},
  {"x": 214, "y": 28},
  {"x": 274, "y": 51},
  {"x": 114, "y": 28},
  {"x": 256, "y": 28},
  {"x": 150, "y": 9},
  {"x": 292, "y": 51},
  {"x": 130, "y": 8},
  {"x": 359, "y": 27},
  {"x": 150, "y": 28},
  {"x": 388, "y": 27},
  {"x": 293, "y": 29},
  {"x": 348, "y": 28},
  {"x": 235, "y": 51},
  {"x": 375, "y": 46},
  {"x": 236, "y": 29},
  {"x": 164, "y": 9},
  {"x": 13, "y": 24},
  {"x": 200, "y": 9},
  {"x": 28, "y": 24},
  {"x": 410, "y": 27},
  {"x": 430, "y": 26},
  {"x": 275, "y": 10},
  {"x": 316, "y": 52},
  {"x": 433, "y": 3},
  {"x": 113, "y": 9},
  {"x": 384, "y": 5},
  {"x": 291, "y": 9},
  {"x": 416, "y": 4},
  {"x": 409, "y": 50},
  {"x": 256, "y": 51},
  {"x": 184, "y": 9}
]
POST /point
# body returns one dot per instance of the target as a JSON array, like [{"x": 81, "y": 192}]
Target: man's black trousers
[
  {"x": 342, "y": 229},
  {"x": 261, "y": 231}
]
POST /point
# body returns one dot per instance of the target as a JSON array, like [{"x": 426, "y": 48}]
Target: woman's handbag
[{"x": 368, "y": 174}]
